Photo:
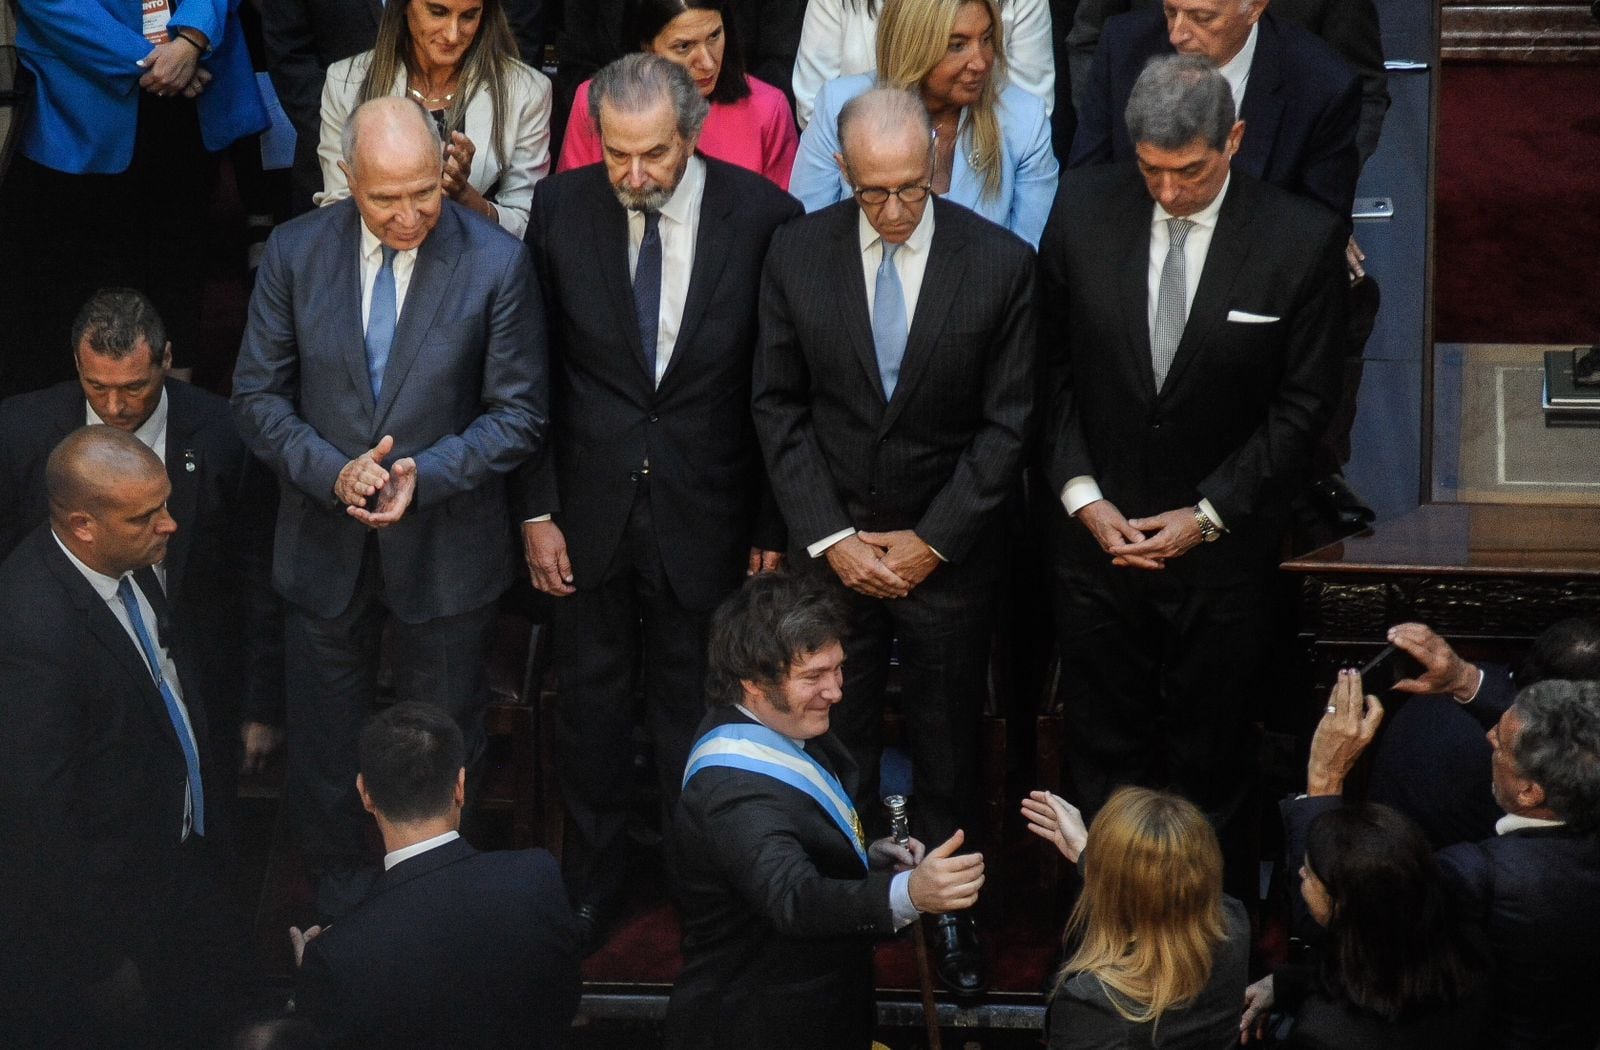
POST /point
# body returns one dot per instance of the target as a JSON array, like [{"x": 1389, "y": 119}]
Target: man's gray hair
[
  {"x": 1177, "y": 99},
  {"x": 391, "y": 108},
  {"x": 1558, "y": 748},
  {"x": 883, "y": 113},
  {"x": 638, "y": 82}
]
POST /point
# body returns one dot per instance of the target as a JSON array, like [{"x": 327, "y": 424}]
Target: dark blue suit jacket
[
  {"x": 464, "y": 393},
  {"x": 452, "y": 948},
  {"x": 1301, "y": 109},
  {"x": 1536, "y": 892}
]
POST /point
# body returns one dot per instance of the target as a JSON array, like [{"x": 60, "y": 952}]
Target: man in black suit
[
  {"x": 117, "y": 926},
  {"x": 1350, "y": 27},
  {"x": 1432, "y": 760},
  {"x": 216, "y": 571},
  {"x": 894, "y": 384},
  {"x": 780, "y": 893},
  {"x": 649, "y": 503},
  {"x": 1298, "y": 98},
  {"x": 391, "y": 375},
  {"x": 1199, "y": 315},
  {"x": 304, "y": 37},
  {"x": 452, "y": 947},
  {"x": 1535, "y": 885}
]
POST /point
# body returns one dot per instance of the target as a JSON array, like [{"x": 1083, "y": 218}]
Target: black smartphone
[{"x": 1391, "y": 665}]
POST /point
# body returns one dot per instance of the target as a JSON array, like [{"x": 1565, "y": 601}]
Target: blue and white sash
[{"x": 757, "y": 749}]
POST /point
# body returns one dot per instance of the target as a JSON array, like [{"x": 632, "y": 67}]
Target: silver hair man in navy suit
[{"x": 392, "y": 373}]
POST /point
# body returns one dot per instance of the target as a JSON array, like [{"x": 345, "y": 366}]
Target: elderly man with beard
[{"x": 648, "y": 504}]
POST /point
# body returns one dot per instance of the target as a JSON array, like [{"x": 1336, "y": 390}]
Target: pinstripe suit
[{"x": 939, "y": 457}]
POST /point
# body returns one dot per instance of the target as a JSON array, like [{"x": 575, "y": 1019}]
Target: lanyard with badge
[{"x": 157, "y": 13}]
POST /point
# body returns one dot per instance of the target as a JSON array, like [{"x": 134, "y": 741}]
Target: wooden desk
[{"x": 1491, "y": 572}]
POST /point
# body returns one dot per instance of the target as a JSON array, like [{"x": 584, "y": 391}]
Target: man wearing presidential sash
[{"x": 780, "y": 895}]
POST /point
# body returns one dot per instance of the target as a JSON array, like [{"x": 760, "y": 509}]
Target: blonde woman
[
  {"x": 458, "y": 60},
  {"x": 1160, "y": 954},
  {"x": 991, "y": 139}
]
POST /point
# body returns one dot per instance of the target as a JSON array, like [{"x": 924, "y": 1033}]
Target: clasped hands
[
  {"x": 882, "y": 564},
  {"x": 174, "y": 67},
  {"x": 1140, "y": 543},
  {"x": 391, "y": 490},
  {"x": 941, "y": 880}
]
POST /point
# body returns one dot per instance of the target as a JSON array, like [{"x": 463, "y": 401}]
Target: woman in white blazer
[
  {"x": 457, "y": 58},
  {"x": 837, "y": 40}
]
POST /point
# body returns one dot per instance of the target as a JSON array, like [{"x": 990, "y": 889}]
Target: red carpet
[{"x": 1517, "y": 230}]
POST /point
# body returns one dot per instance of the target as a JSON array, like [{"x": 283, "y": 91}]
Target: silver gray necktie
[{"x": 1170, "y": 309}]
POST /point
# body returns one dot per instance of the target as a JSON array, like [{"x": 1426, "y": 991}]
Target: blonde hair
[
  {"x": 1150, "y": 916},
  {"x": 487, "y": 65},
  {"x": 914, "y": 37}
]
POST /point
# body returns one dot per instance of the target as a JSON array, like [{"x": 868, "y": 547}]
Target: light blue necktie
[
  {"x": 889, "y": 320},
  {"x": 191, "y": 758},
  {"x": 381, "y": 316}
]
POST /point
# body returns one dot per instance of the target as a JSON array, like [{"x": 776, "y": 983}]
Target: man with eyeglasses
[{"x": 893, "y": 389}]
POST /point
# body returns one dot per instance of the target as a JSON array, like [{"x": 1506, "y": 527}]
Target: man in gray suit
[{"x": 392, "y": 372}]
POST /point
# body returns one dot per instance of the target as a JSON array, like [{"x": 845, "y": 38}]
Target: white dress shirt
[
  {"x": 910, "y": 263},
  {"x": 106, "y": 587},
  {"x": 1512, "y": 822},
  {"x": 900, "y": 886},
  {"x": 371, "y": 262},
  {"x": 153, "y": 433},
  {"x": 1237, "y": 70},
  {"x": 1084, "y": 489},
  {"x": 678, "y": 228},
  {"x": 416, "y": 848}
]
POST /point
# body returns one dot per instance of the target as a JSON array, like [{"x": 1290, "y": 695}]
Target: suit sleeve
[
  {"x": 1495, "y": 695},
  {"x": 1064, "y": 452},
  {"x": 820, "y": 56},
  {"x": 321, "y": 1001},
  {"x": 1030, "y": 51},
  {"x": 990, "y": 463},
  {"x": 1278, "y": 449},
  {"x": 1036, "y": 177},
  {"x": 1297, "y": 814},
  {"x": 763, "y": 858},
  {"x": 1332, "y": 162},
  {"x": 1091, "y": 143},
  {"x": 515, "y": 395},
  {"x": 1467, "y": 870},
  {"x": 529, "y": 157},
  {"x": 1082, "y": 39},
  {"x": 340, "y": 86},
  {"x": 1352, "y": 28},
  {"x": 816, "y": 181},
  {"x": 254, "y": 508},
  {"x": 533, "y": 488},
  {"x": 87, "y": 37},
  {"x": 208, "y": 16},
  {"x": 291, "y": 46},
  {"x": 266, "y": 386},
  {"x": 781, "y": 406}
]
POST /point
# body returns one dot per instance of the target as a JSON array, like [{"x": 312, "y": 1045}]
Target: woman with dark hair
[
  {"x": 1397, "y": 968},
  {"x": 458, "y": 60},
  {"x": 1159, "y": 952},
  {"x": 749, "y": 125}
]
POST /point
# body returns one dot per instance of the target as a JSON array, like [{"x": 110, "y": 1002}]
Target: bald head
[
  {"x": 108, "y": 497},
  {"x": 393, "y": 160},
  {"x": 884, "y": 120},
  {"x": 391, "y": 127}
]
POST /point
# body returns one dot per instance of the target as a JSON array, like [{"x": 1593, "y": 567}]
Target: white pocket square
[{"x": 1248, "y": 318}]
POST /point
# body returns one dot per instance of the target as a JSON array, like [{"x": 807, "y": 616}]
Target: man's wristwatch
[{"x": 1208, "y": 528}]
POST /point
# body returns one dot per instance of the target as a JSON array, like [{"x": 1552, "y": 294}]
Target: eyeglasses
[{"x": 914, "y": 194}]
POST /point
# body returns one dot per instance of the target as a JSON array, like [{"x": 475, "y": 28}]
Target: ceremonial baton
[{"x": 900, "y": 831}]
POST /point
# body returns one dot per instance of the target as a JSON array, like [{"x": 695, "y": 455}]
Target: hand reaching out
[{"x": 1057, "y": 821}]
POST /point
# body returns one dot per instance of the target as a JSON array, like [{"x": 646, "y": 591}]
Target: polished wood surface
[
  {"x": 1459, "y": 539},
  {"x": 1549, "y": 31}
]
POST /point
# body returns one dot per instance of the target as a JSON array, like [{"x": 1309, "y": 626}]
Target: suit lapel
[
  {"x": 183, "y": 470},
  {"x": 347, "y": 282},
  {"x": 1230, "y": 246},
  {"x": 611, "y": 243},
  {"x": 713, "y": 242},
  {"x": 1263, "y": 102},
  {"x": 1132, "y": 287},
  {"x": 941, "y": 283},
  {"x": 436, "y": 264},
  {"x": 856, "y": 320}
]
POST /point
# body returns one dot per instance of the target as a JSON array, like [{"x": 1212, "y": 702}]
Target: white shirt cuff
[
  {"x": 1475, "y": 689},
  {"x": 816, "y": 549},
  {"x": 1211, "y": 512},
  {"x": 1080, "y": 492},
  {"x": 530, "y": 521},
  {"x": 900, "y": 904}
]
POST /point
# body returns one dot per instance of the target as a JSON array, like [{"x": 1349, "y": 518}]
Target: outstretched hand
[
  {"x": 946, "y": 881},
  {"x": 1347, "y": 728},
  {"x": 1057, "y": 821}
]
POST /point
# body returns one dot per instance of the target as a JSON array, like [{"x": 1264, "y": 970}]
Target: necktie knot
[
  {"x": 388, "y": 255},
  {"x": 652, "y": 222},
  {"x": 1178, "y": 231},
  {"x": 889, "y": 250}
]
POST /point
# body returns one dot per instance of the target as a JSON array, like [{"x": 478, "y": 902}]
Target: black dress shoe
[
  {"x": 957, "y": 956},
  {"x": 591, "y": 929},
  {"x": 1340, "y": 503}
]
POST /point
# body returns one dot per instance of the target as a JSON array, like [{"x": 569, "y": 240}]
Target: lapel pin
[{"x": 188, "y": 461}]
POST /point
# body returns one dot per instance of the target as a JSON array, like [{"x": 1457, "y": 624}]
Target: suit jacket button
[
  {"x": 654, "y": 418},
  {"x": 1155, "y": 424},
  {"x": 633, "y": 475},
  {"x": 872, "y": 490}
]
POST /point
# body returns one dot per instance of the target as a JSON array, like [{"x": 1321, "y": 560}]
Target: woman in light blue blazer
[{"x": 991, "y": 139}]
